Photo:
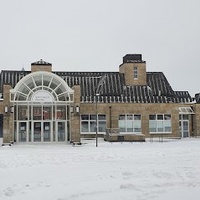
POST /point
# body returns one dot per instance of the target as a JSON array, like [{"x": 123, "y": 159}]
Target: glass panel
[
  {"x": 22, "y": 112},
  {"x": 137, "y": 126},
  {"x": 122, "y": 125},
  {"x": 61, "y": 131},
  {"x": 37, "y": 132},
  {"x": 62, "y": 97},
  {"x": 185, "y": 134},
  {"x": 54, "y": 84},
  {"x": 185, "y": 125},
  {"x": 30, "y": 83},
  {"x": 137, "y": 117},
  {"x": 152, "y": 126},
  {"x": 167, "y": 125},
  {"x": 93, "y": 126},
  {"x": 46, "y": 80},
  {"x": 129, "y": 125},
  {"x": 37, "y": 113},
  {"x": 24, "y": 89},
  {"x": 180, "y": 127},
  {"x": 22, "y": 131},
  {"x": 84, "y": 117},
  {"x": 102, "y": 117},
  {"x": 38, "y": 80},
  {"x": 93, "y": 117},
  {"x": 47, "y": 115},
  {"x": 185, "y": 117},
  {"x": 160, "y": 117},
  {"x": 21, "y": 97},
  {"x": 121, "y": 117},
  {"x": 61, "y": 112},
  {"x": 60, "y": 89},
  {"x": 37, "y": 88},
  {"x": 47, "y": 131},
  {"x": 102, "y": 126},
  {"x": 130, "y": 117},
  {"x": 189, "y": 110},
  {"x": 152, "y": 117},
  {"x": 30, "y": 96},
  {"x": 167, "y": 117},
  {"x": 84, "y": 126},
  {"x": 160, "y": 126}
]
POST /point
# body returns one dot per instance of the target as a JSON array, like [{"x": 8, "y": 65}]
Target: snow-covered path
[{"x": 168, "y": 170}]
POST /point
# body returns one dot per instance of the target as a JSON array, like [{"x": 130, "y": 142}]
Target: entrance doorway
[
  {"x": 55, "y": 129},
  {"x": 184, "y": 125},
  {"x": 41, "y": 103}
]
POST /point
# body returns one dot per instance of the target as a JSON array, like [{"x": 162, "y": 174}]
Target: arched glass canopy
[{"x": 41, "y": 86}]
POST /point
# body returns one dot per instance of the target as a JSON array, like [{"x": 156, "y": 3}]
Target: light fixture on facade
[
  {"x": 6, "y": 109},
  {"x": 77, "y": 109}
]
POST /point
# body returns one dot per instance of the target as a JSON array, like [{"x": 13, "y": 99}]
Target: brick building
[{"x": 131, "y": 104}]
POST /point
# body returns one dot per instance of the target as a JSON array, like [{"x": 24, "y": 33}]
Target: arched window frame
[{"x": 41, "y": 80}]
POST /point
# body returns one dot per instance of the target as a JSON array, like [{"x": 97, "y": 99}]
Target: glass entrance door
[
  {"x": 43, "y": 123},
  {"x": 22, "y": 131},
  {"x": 185, "y": 131},
  {"x": 61, "y": 131},
  {"x": 184, "y": 125},
  {"x": 46, "y": 131},
  {"x": 37, "y": 129}
]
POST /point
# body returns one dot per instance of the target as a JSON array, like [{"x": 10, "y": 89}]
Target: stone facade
[
  {"x": 195, "y": 119},
  {"x": 8, "y": 116},
  {"x": 133, "y": 96},
  {"x": 128, "y": 70},
  {"x": 144, "y": 109},
  {"x": 41, "y": 66}
]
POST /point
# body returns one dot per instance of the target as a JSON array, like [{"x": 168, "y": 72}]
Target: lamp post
[{"x": 96, "y": 121}]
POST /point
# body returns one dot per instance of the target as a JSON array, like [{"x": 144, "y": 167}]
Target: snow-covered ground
[{"x": 135, "y": 171}]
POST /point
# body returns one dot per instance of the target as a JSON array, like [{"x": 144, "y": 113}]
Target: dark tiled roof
[
  {"x": 11, "y": 77},
  {"x": 111, "y": 87}
]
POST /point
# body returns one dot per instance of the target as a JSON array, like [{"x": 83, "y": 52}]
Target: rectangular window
[
  {"x": 37, "y": 113},
  {"x": 135, "y": 73},
  {"x": 22, "y": 113},
  {"x": 88, "y": 123},
  {"x": 160, "y": 123},
  {"x": 130, "y": 123}
]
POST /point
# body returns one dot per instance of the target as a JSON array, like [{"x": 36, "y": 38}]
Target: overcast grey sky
[{"x": 91, "y": 35}]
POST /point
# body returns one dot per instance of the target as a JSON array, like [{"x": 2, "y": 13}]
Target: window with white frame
[
  {"x": 135, "y": 72},
  {"x": 130, "y": 123},
  {"x": 160, "y": 123},
  {"x": 88, "y": 123}
]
